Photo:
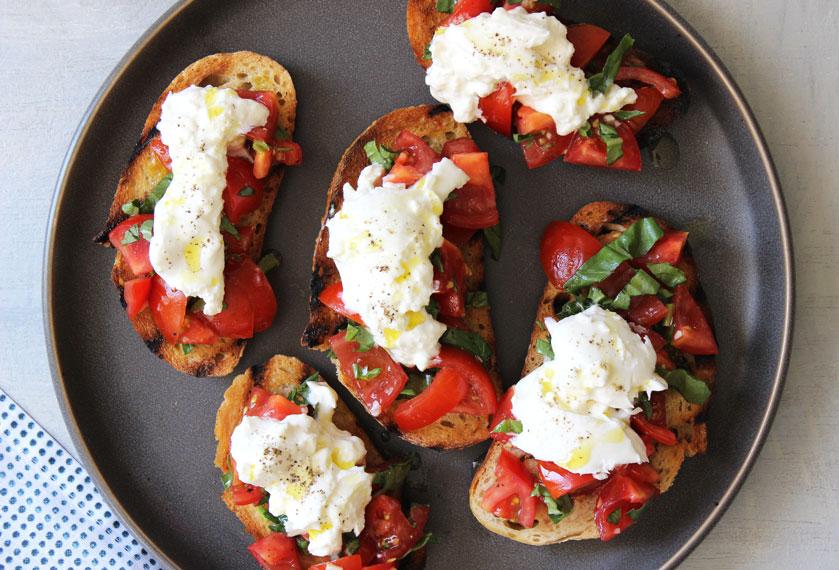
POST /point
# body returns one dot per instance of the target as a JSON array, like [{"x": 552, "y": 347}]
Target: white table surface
[{"x": 785, "y": 57}]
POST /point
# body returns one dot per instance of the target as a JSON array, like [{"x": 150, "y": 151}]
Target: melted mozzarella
[
  {"x": 309, "y": 468},
  {"x": 575, "y": 409},
  {"x": 381, "y": 241},
  {"x": 187, "y": 249},
  {"x": 531, "y": 52}
]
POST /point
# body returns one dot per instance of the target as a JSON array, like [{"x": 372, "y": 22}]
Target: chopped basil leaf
[
  {"x": 668, "y": 320},
  {"x": 261, "y": 146},
  {"x": 300, "y": 393},
  {"x": 351, "y": 544},
  {"x": 131, "y": 235},
  {"x": 269, "y": 261},
  {"x": 277, "y": 523},
  {"x": 615, "y": 516},
  {"x": 570, "y": 308},
  {"x": 437, "y": 260},
  {"x": 667, "y": 274},
  {"x": 380, "y": 154},
  {"x": 499, "y": 175},
  {"x": 691, "y": 388},
  {"x": 644, "y": 403},
  {"x": 521, "y": 138},
  {"x": 330, "y": 354},
  {"x": 360, "y": 335},
  {"x": 585, "y": 130},
  {"x": 445, "y": 6},
  {"x": 508, "y": 426},
  {"x": 665, "y": 293},
  {"x": 421, "y": 543},
  {"x": 391, "y": 479},
  {"x": 544, "y": 348},
  {"x": 132, "y": 208},
  {"x": 636, "y": 241},
  {"x": 602, "y": 81},
  {"x": 417, "y": 382},
  {"x": 227, "y": 226},
  {"x": 226, "y": 480},
  {"x": 407, "y": 393},
  {"x": 246, "y": 191},
  {"x": 147, "y": 229},
  {"x": 302, "y": 544},
  {"x": 469, "y": 341},
  {"x": 477, "y": 299},
  {"x": 514, "y": 2},
  {"x": 281, "y": 134},
  {"x": 364, "y": 373},
  {"x": 426, "y": 54},
  {"x": 433, "y": 307},
  {"x": 186, "y": 348},
  {"x": 640, "y": 284},
  {"x": 598, "y": 296},
  {"x": 146, "y": 205},
  {"x": 626, "y": 115},
  {"x": 635, "y": 514},
  {"x": 493, "y": 239},
  {"x": 559, "y": 508},
  {"x": 614, "y": 142}
]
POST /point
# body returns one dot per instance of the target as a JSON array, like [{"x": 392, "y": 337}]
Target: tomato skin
[
  {"x": 591, "y": 151},
  {"x": 564, "y": 248},
  {"x": 418, "y": 155},
  {"x": 646, "y": 310},
  {"x": 333, "y": 297},
  {"x": 529, "y": 121},
  {"x": 648, "y": 101},
  {"x": 466, "y": 9},
  {"x": 161, "y": 151},
  {"x": 239, "y": 176},
  {"x": 276, "y": 552},
  {"x": 615, "y": 282},
  {"x": 388, "y": 534},
  {"x": 692, "y": 333},
  {"x": 347, "y": 563},
  {"x": 448, "y": 388},
  {"x": 459, "y": 146},
  {"x": 239, "y": 245},
  {"x": 658, "y": 342},
  {"x": 262, "y": 163},
  {"x": 497, "y": 109},
  {"x": 660, "y": 434},
  {"x": 545, "y": 147},
  {"x": 587, "y": 40},
  {"x": 136, "y": 294},
  {"x": 250, "y": 301},
  {"x": 269, "y": 100},
  {"x": 379, "y": 393},
  {"x": 667, "y": 86},
  {"x": 622, "y": 492},
  {"x": 473, "y": 205},
  {"x": 668, "y": 249},
  {"x": 382, "y": 566},
  {"x": 559, "y": 481},
  {"x": 264, "y": 404},
  {"x": 168, "y": 309},
  {"x": 458, "y": 236},
  {"x": 244, "y": 494},
  {"x": 260, "y": 292},
  {"x": 503, "y": 412},
  {"x": 197, "y": 331},
  {"x": 482, "y": 399},
  {"x": 288, "y": 152},
  {"x": 512, "y": 482},
  {"x": 136, "y": 253},
  {"x": 449, "y": 284}
]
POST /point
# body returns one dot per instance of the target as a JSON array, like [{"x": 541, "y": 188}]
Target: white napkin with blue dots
[{"x": 51, "y": 515}]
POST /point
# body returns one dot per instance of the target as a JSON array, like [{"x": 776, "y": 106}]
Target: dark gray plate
[{"x": 145, "y": 432}]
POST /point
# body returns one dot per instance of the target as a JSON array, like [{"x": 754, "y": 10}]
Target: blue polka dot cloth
[{"x": 51, "y": 515}]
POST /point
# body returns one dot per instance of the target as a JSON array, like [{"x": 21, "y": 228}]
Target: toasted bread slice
[
  {"x": 606, "y": 221},
  {"x": 238, "y": 70},
  {"x": 436, "y": 125},
  {"x": 422, "y": 18},
  {"x": 280, "y": 375}
]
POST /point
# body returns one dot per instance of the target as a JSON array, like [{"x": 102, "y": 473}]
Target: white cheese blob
[
  {"x": 575, "y": 409},
  {"x": 381, "y": 241},
  {"x": 187, "y": 249},
  {"x": 531, "y": 52},
  {"x": 309, "y": 468}
]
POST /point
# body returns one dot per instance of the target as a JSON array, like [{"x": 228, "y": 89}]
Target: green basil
[
  {"x": 300, "y": 393},
  {"x": 615, "y": 516},
  {"x": 601, "y": 82},
  {"x": 469, "y": 341},
  {"x": 281, "y": 134},
  {"x": 508, "y": 426},
  {"x": 445, "y": 6},
  {"x": 691, "y": 388},
  {"x": 246, "y": 191},
  {"x": 585, "y": 130},
  {"x": 147, "y": 229},
  {"x": 421, "y": 543},
  {"x": 433, "y": 307},
  {"x": 269, "y": 262},
  {"x": 544, "y": 348},
  {"x": 636, "y": 241},
  {"x": 522, "y": 138},
  {"x": 596, "y": 295},
  {"x": 227, "y": 226},
  {"x": 614, "y": 142},
  {"x": 277, "y": 524},
  {"x": 499, "y": 175},
  {"x": 667, "y": 274},
  {"x": 364, "y": 373},
  {"x": 640, "y": 284},
  {"x": 559, "y": 508},
  {"x": 146, "y": 205},
  {"x": 351, "y": 543},
  {"x": 302, "y": 544},
  {"x": 426, "y": 54},
  {"x": 643, "y": 402},
  {"x": 437, "y": 260},
  {"x": 493, "y": 238},
  {"x": 417, "y": 382},
  {"x": 634, "y": 514},
  {"x": 360, "y": 335},
  {"x": 226, "y": 480},
  {"x": 380, "y": 155},
  {"x": 261, "y": 146},
  {"x": 570, "y": 308},
  {"x": 390, "y": 480},
  {"x": 186, "y": 348},
  {"x": 626, "y": 115},
  {"x": 477, "y": 299}
]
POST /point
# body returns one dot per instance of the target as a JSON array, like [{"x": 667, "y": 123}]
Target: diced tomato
[
  {"x": 504, "y": 412},
  {"x": 276, "y": 552},
  {"x": 376, "y": 393},
  {"x": 662, "y": 358},
  {"x": 136, "y": 295},
  {"x": 449, "y": 282},
  {"x": 528, "y": 121},
  {"x": 249, "y": 276},
  {"x": 422, "y": 157},
  {"x": 615, "y": 282},
  {"x": 564, "y": 248},
  {"x": 347, "y": 563},
  {"x": 648, "y": 102},
  {"x": 288, "y": 152},
  {"x": 403, "y": 172},
  {"x": 510, "y": 497},
  {"x": 264, "y": 404},
  {"x": 622, "y": 492},
  {"x": 136, "y": 253},
  {"x": 459, "y": 146},
  {"x": 591, "y": 150},
  {"x": 333, "y": 297},
  {"x": 531, "y": 7},
  {"x": 667, "y": 86},
  {"x": 473, "y": 204},
  {"x": 244, "y": 494},
  {"x": 646, "y": 310},
  {"x": 262, "y": 161},
  {"x": 587, "y": 40},
  {"x": 481, "y": 399},
  {"x": 243, "y": 193},
  {"x": 239, "y": 245},
  {"x": 643, "y": 472},
  {"x": 660, "y": 434},
  {"x": 161, "y": 151},
  {"x": 692, "y": 332},
  {"x": 559, "y": 481},
  {"x": 668, "y": 249},
  {"x": 382, "y": 566},
  {"x": 388, "y": 534},
  {"x": 659, "y": 409},
  {"x": 198, "y": 331},
  {"x": 466, "y": 9},
  {"x": 497, "y": 109},
  {"x": 168, "y": 309},
  {"x": 250, "y": 303},
  {"x": 544, "y": 147},
  {"x": 269, "y": 100},
  {"x": 448, "y": 388},
  {"x": 458, "y": 236}
]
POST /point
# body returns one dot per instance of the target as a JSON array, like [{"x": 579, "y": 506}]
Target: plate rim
[{"x": 673, "y": 19}]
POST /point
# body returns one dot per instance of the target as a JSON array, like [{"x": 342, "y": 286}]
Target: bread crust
[
  {"x": 241, "y": 69},
  {"x": 436, "y": 125},
  {"x": 606, "y": 221}
]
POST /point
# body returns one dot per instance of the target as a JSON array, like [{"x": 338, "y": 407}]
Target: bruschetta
[
  {"x": 397, "y": 292},
  {"x": 618, "y": 374},
  {"x": 190, "y": 211},
  {"x": 332, "y": 500},
  {"x": 557, "y": 88}
]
